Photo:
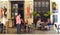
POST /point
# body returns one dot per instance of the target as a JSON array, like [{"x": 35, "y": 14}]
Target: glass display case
[{"x": 14, "y": 10}]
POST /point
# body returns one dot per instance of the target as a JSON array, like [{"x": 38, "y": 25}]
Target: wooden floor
[{"x": 35, "y": 31}]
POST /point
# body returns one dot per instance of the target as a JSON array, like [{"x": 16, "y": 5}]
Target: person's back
[
  {"x": 39, "y": 23},
  {"x": 18, "y": 20}
]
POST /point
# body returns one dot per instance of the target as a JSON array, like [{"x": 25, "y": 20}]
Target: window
[
  {"x": 35, "y": 4},
  {"x": 39, "y": 11},
  {"x": 47, "y": 3},
  {"x": 39, "y": 4},
  {"x": 43, "y": 4},
  {"x": 55, "y": 18},
  {"x": 41, "y": 7},
  {"x": 15, "y": 5},
  {"x": 35, "y": 9}
]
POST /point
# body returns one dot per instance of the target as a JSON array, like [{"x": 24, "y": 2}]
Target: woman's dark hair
[{"x": 18, "y": 14}]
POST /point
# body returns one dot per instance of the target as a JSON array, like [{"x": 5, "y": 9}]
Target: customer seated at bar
[
  {"x": 39, "y": 22},
  {"x": 48, "y": 23}
]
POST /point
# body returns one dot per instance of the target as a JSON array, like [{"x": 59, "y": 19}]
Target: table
[{"x": 43, "y": 25}]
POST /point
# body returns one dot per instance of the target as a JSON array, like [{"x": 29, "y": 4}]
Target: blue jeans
[
  {"x": 1, "y": 27},
  {"x": 18, "y": 28},
  {"x": 49, "y": 24}
]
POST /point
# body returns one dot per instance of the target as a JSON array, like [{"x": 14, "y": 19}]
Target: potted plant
[
  {"x": 34, "y": 13},
  {"x": 47, "y": 14}
]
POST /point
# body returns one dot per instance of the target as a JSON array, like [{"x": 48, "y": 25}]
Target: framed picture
[{"x": 54, "y": 7}]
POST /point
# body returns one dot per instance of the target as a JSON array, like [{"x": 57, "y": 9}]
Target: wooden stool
[{"x": 5, "y": 28}]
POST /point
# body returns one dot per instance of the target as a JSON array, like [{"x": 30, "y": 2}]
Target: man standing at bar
[{"x": 18, "y": 23}]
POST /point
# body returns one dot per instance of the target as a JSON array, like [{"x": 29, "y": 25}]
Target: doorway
[{"x": 17, "y": 7}]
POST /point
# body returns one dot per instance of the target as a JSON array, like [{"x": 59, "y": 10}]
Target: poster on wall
[
  {"x": 3, "y": 10},
  {"x": 54, "y": 7},
  {"x": 29, "y": 9}
]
